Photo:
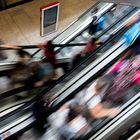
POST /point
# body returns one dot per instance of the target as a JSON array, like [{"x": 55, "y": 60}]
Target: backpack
[{"x": 40, "y": 108}]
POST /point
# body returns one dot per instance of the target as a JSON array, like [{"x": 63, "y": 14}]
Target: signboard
[{"x": 49, "y": 18}]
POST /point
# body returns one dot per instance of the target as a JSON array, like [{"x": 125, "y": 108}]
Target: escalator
[
  {"x": 128, "y": 106},
  {"x": 85, "y": 77},
  {"x": 76, "y": 33},
  {"x": 106, "y": 32}
]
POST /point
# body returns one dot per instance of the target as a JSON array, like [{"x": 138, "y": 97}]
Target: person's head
[
  {"x": 24, "y": 56},
  {"x": 50, "y": 46},
  {"x": 93, "y": 40}
]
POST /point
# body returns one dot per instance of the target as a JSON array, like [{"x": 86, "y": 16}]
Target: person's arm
[
  {"x": 10, "y": 46},
  {"x": 133, "y": 20},
  {"x": 100, "y": 111},
  {"x": 41, "y": 46},
  {"x": 42, "y": 81},
  {"x": 98, "y": 42}
]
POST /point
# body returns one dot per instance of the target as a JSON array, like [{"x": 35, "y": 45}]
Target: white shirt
[{"x": 89, "y": 97}]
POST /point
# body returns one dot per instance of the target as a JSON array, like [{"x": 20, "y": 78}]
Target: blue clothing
[
  {"x": 132, "y": 34},
  {"x": 100, "y": 23},
  {"x": 96, "y": 26},
  {"x": 44, "y": 70}
]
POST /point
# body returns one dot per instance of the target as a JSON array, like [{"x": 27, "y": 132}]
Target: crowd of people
[
  {"x": 103, "y": 98},
  {"x": 93, "y": 104}
]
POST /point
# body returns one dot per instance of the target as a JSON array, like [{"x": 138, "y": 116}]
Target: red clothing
[
  {"x": 90, "y": 47},
  {"x": 49, "y": 55}
]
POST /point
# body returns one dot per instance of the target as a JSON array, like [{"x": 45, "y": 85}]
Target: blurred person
[
  {"x": 24, "y": 57},
  {"x": 21, "y": 71},
  {"x": 49, "y": 53},
  {"x": 41, "y": 73},
  {"x": 50, "y": 56},
  {"x": 89, "y": 48},
  {"x": 69, "y": 121},
  {"x": 96, "y": 25},
  {"x": 133, "y": 33},
  {"x": 78, "y": 118},
  {"x": 19, "y": 74},
  {"x": 120, "y": 64},
  {"x": 40, "y": 110},
  {"x": 94, "y": 98},
  {"x": 124, "y": 80}
]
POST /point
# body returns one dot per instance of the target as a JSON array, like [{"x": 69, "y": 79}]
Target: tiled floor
[{"x": 21, "y": 25}]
